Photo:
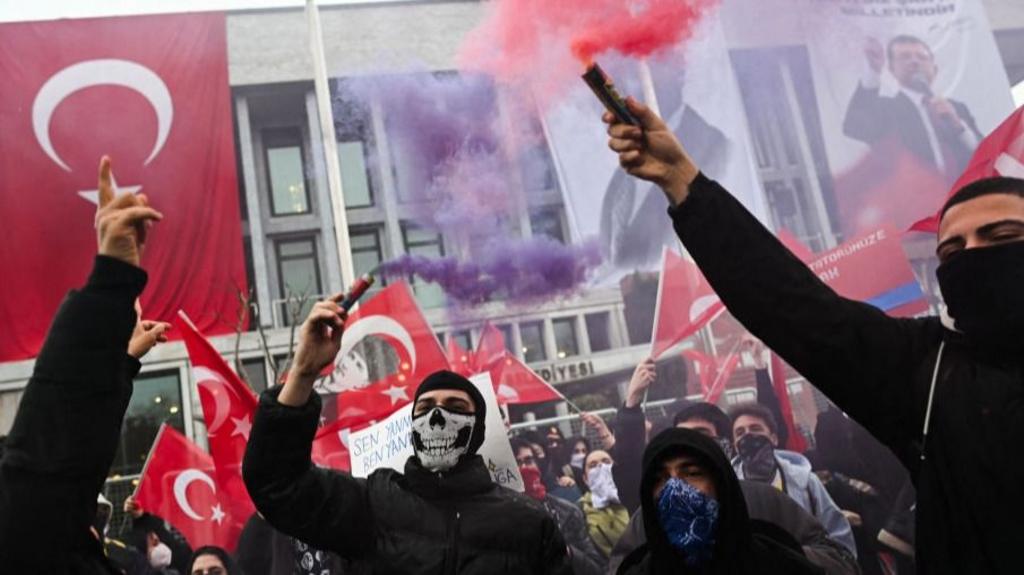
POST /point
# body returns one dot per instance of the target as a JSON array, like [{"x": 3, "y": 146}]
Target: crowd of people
[{"x": 713, "y": 492}]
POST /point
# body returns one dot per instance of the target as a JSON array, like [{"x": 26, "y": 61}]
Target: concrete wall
[{"x": 269, "y": 47}]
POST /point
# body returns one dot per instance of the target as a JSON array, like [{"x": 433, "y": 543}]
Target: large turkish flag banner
[{"x": 152, "y": 92}]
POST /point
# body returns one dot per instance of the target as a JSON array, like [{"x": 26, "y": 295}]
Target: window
[
  {"x": 547, "y": 222},
  {"x": 354, "y": 133},
  {"x": 298, "y": 272},
  {"x": 256, "y": 372},
  {"x": 506, "y": 334},
  {"x": 566, "y": 344},
  {"x": 156, "y": 399},
  {"x": 598, "y": 331},
  {"x": 462, "y": 338},
  {"x": 532, "y": 334},
  {"x": 426, "y": 243},
  {"x": 286, "y": 172},
  {"x": 367, "y": 252},
  {"x": 355, "y": 179}
]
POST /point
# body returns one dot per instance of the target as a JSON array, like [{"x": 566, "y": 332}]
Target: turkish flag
[
  {"x": 228, "y": 409},
  {"x": 1000, "y": 154},
  {"x": 153, "y": 93},
  {"x": 714, "y": 372},
  {"x": 795, "y": 441},
  {"x": 178, "y": 484},
  {"x": 685, "y": 303},
  {"x": 369, "y": 387},
  {"x": 460, "y": 361},
  {"x": 515, "y": 382}
]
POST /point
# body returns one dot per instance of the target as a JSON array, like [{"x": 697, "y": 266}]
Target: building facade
[{"x": 586, "y": 346}]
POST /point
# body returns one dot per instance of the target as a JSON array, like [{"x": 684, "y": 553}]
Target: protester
[
  {"x": 755, "y": 433},
  {"x": 695, "y": 517},
  {"x": 579, "y": 448},
  {"x": 164, "y": 546},
  {"x": 606, "y": 516},
  {"x": 444, "y": 514},
  {"x": 212, "y": 560},
  {"x": 585, "y": 557},
  {"x": 552, "y": 474},
  {"x": 862, "y": 476},
  {"x": 943, "y": 394},
  {"x": 763, "y": 501},
  {"x": 68, "y": 424}
]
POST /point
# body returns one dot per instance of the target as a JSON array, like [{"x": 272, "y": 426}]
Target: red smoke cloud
[
  {"x": 547, "y": 43},
  {"x": 641, "y": 31}
]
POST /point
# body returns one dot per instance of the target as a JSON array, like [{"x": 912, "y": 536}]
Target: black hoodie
[{"x": 741, "y": 545}]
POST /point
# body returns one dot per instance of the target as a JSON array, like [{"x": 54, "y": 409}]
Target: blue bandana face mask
[{"x": 688, "y": 518}]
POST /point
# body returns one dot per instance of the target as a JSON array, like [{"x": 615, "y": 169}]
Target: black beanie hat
[{"x": 445, "y": 379}]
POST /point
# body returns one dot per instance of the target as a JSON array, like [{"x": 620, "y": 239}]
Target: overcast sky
[{"x": 21, "y": 10}]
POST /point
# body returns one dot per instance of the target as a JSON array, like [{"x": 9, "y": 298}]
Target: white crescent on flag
[
  {"x": 377, "y": 325},
  {"x": 702, "y": 305},
  {"x": 215, "y": 385},
  {"x": 106, "y": 72},
  {"x": 181, "y": 483}
]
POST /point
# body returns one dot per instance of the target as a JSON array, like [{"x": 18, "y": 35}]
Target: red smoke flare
[{"x": 548, "y": 43}]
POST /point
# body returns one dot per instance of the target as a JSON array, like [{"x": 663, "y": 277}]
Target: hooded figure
[
  {"x": 696, "y": 518},
  {"x": 444, "y": 514}
]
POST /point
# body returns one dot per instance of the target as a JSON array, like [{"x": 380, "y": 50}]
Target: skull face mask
[{"x": 440, "y": 437}]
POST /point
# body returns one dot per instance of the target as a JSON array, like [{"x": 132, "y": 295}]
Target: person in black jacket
[
  {"x": 585, "y": 557},
  {"x": 68, "y": 424},
  {"x": 945, "y": 394},
  {"x": 443, "y": 515},
  {"x": 695, "y": 517}
]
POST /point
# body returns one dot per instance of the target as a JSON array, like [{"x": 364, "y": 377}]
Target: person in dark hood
[
  {"x": 444, "y": 514},
  {"x": 695, "y": 516},
  {"x": 946, "y": 393}
]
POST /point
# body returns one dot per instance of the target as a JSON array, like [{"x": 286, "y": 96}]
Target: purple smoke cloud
[
  {"x": 460, "y": 171},
  {"x": 522, "y": 272}
]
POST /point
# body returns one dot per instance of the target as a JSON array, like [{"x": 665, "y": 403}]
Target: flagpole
[
  {"x": 149, "y": 456},
  {"x": 330, "y": 144}
]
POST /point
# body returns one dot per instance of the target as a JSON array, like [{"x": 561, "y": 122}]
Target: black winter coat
[
  {"x": 879, "y": 369},
  {"x": 419, "y": 522},
  {"x": 586, "y": 559},
  {"x": 68, "y": 428}
]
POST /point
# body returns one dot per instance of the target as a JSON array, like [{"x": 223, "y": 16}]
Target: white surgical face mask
[
  {"x": 160, "y": 556},
  {"x": 577, "y": 460},
  {"x": 440, "y": 437},
  {"x": 602, "y": 486}
]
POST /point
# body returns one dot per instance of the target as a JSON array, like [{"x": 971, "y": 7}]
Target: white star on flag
[
  {"x": 217, "y": 514},
  {"x": 242, "y": 427},
  {"x": 396, "y": 393},
  {"x": 94, "y": 195}
]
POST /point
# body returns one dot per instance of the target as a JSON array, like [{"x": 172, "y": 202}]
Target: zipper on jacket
[{"x": 452, "y": 552}]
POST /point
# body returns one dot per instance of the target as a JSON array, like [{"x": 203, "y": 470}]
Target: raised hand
[
  {"x": 319, "y": 343},
  {"x": 604, "y": 435},
  {"x": 874, "y": 52},
  {"x": 643, "y": 376},
  {"x": 651, "y": 152},
  {"x": 122, "y": 222}
]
